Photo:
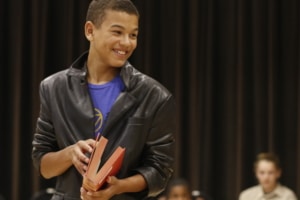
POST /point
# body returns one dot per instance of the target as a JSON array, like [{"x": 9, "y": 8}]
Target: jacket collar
[
  {"x": 79, "y": 69},
  {"x": 276, "y": 192}
]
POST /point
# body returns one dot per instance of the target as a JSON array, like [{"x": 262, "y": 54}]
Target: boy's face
[
  {"x": 267, "y": 174},
  {"x": 179, "y": 192},
  {"x": 113, "y": 42}
]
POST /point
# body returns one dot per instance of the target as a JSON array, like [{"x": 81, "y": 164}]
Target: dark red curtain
[{"x": 233, "y": 66}]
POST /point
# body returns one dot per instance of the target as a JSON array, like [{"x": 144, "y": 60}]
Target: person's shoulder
[
  {"x": 54, "y": 83},
  {"x": 152, "y": 84},
  {"x": 249, "y": 192},
  {"x": 144, "y": 82},
  {"x": 251, "y": 189},
  {"x": 55, "y": 78},
  {"x": 286, "y": 190}
]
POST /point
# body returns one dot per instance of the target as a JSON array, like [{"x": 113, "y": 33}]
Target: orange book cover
[
  {"x": 94, "y": 164},
  {"x": 94, "y": 179}
]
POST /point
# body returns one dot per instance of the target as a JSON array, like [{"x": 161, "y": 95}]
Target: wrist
[
  {"x": 68, "y": 153},
  {"x": 121, "y": 186},
  {"x": 135, "y": 183}
]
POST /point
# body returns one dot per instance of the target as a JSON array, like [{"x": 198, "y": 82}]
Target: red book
[{"x": 94, "y": 179}]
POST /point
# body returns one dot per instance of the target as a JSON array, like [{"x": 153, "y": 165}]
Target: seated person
[
  {"x": 268, "y": 171},
  {"x": 178, "y": 189},
  {"x": 200, "y": 195},
  {"x": 161, "y": 197}
]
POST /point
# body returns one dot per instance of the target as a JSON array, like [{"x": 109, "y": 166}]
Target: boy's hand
[{"x": 78, "y": 154}]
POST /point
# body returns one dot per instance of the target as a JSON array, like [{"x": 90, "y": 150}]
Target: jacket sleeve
[
  {"x": 158, "y": 156},
  {"x": 44, "y": 139}
]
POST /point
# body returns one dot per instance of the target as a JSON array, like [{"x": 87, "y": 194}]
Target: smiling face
[
  {"x": 267, "y": 174},
  {"x": 113, "y": 42}
]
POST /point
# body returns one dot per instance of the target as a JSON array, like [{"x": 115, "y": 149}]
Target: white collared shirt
[{"x": 279, "y": 193}]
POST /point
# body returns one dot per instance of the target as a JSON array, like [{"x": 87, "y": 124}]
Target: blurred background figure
[
  {"x": 200, "y": 195},
  {"x": 45, "y": 194},
  {"x": 178, "y": 189},
  {"x": 268, "y": 171},
  {"x": 162, "y": 197}
]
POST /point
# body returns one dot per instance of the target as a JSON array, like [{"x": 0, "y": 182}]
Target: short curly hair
[{"x": 97, "y": 8}]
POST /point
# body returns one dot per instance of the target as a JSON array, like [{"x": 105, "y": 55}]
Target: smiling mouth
[{"x": 120, "y": 52}]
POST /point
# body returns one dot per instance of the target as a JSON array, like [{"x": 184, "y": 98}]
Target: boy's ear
[{"x": 88, "y": 30}]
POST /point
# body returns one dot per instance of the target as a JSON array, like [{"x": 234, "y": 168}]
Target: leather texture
[{"x": 142, "y": 120}]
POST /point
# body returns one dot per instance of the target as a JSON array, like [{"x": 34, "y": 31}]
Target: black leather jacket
[{"x": 141, "y": 120}]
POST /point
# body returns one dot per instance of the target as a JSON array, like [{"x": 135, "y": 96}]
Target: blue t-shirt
[{"x": 103, "y": 97}]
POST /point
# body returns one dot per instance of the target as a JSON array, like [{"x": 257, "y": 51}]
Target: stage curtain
[{"x": 232, "y": 65}]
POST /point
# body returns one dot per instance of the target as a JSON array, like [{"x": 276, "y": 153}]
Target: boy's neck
[{"x": 100, "y": 74}]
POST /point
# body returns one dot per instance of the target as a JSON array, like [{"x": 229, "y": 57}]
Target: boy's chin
[{"x": 119, "y": 64}]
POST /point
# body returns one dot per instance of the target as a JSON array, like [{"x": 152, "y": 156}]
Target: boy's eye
[
  {"x": 117, "y": 32},
  {"x": 134, "y": 35}
]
